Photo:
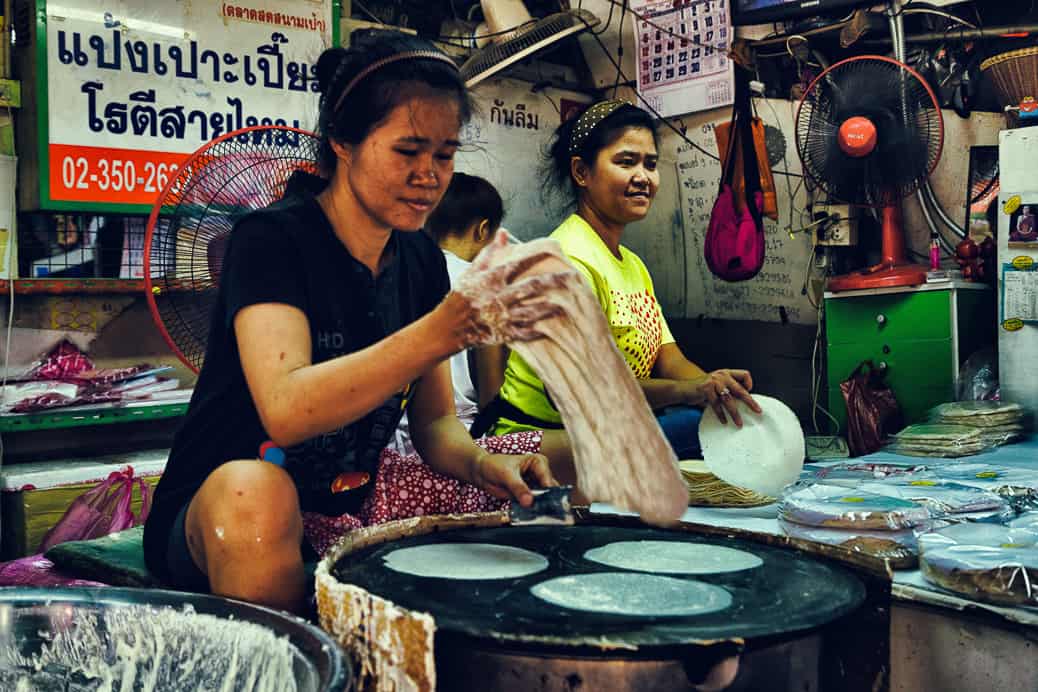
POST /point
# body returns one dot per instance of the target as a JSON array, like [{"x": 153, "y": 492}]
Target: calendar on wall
[{"x": 682, "y": 53}]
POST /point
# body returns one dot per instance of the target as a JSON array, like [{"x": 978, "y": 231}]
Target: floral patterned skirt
[{"x": 406, "y": 487}]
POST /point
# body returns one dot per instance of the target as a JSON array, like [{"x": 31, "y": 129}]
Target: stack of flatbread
[
  {"x": 986, "y": 562},
  {"x": 883, "y": 526},
  {"x": 938, "y": 440},
  {"x": 707, "y": 490},
  {"x": 999, "y": 422}
]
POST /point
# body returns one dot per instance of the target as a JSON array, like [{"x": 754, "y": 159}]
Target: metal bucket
[{"x": 158, "y": 641}]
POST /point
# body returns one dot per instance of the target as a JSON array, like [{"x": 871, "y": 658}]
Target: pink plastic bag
[
  {"x": 37, "y": 570},
  {"x": 101, "y": 510}
]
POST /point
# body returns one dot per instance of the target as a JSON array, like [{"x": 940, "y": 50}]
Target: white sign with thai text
[{"x": 134, "y": 86}]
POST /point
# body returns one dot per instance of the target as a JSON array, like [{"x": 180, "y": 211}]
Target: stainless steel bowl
[{"x": 80, "y": 639}]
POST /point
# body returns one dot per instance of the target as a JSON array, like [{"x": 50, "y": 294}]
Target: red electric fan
[
  {"x": 193, "y": 217},
  {"x": 869, "y": 132}
]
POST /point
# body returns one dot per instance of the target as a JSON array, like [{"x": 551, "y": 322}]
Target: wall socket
[{"x": 841, "y": 230}]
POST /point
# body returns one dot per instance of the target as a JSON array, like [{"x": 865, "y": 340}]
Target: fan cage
[
  {"x": 189, "y": 225},
  {"x": 909, "y": 125},
  {"x": 528, "y": 40}
]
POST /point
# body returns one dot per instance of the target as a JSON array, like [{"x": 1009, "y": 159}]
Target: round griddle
[{"x": 790, "y": 592}]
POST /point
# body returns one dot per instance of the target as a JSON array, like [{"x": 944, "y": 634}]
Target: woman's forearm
[
  {"x": 316, "y": 399},
  {"x": 447, "y": 448}
]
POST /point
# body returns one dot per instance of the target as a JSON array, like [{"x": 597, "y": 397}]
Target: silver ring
[{"x": 725, "y": 393}]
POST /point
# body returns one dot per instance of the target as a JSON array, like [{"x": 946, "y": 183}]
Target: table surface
[{"x": 907, "y": 585}]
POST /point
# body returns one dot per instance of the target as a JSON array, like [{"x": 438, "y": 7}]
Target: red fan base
[{"x": 895, "y": 269}]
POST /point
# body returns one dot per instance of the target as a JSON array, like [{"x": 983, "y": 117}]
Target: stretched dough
[
  {"x": 465, "y": 561},
  {"x": 633, "y": 594},
  {"x": 620, "y": 453},
  {"x": 673, "y": 557}
]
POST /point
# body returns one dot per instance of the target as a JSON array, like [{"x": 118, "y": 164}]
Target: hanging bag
[
  {"x": 734, "y": 244},
  {"x": 872, "y": 409}
]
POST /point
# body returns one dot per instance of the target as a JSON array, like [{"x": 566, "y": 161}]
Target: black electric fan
[
  {"x": 190, "y": 223},
  {"x": 869, "y": 132}
]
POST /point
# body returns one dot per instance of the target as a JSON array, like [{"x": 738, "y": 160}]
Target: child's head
[{"x": 470, "y": 212}]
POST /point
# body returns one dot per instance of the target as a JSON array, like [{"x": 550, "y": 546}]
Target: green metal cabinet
[{"x": 921, "y": 334}]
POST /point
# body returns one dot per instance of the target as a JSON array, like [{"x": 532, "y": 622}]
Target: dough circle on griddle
[
  {"x": 673, "y": 557},
  {"x": 465, "y": 561},
  {"x": 633, "y": 594},
  {"x": 765, "y": 455}
]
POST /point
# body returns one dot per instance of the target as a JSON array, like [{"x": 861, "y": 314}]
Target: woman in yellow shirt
[{"x": 606, "y": 160}]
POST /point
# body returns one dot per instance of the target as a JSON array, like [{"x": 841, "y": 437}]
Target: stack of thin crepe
[
  {"x": 880, "y": 525},
  {"x": 985, "y": 562},
  {"x": 707, "y": 490},
  {"x": 938, "y": 440},
  {"x": 999, "y": 421}
]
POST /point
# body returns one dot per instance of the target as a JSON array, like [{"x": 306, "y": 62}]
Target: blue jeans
[{"x": 681, "y": 426}]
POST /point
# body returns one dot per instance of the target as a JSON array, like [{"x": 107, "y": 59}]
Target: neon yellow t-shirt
[{"x": 624, "y": 289}]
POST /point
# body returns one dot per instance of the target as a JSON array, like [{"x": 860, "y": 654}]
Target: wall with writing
[
  {"x": 689, "y": 180},
  {"x": 504, "y": 143}
]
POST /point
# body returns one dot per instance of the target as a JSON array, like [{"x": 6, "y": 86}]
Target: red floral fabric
[{"x": 406, "y": 487}]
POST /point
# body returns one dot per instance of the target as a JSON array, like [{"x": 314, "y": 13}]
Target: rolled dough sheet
[
  {"x": 466, "y": 561},
  {"x": 673, "y": 557},
  {"x": 765, "y": 455},
  {"x": 633, "y": 594}
]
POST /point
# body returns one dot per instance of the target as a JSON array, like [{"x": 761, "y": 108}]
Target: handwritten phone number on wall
[{"x": 80, "y": 173}]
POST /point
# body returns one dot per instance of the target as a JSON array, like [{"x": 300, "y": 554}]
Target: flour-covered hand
[{"x": 507, "y": 476}]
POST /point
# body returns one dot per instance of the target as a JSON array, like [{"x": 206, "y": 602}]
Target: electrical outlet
[{"x": 841, "y": 230}]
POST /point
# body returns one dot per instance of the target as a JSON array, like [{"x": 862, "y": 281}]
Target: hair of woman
[{"x": 371, "y": 98}]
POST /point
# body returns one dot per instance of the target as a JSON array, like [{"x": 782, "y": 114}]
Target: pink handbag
[
  {"x": 101, "y": 510},
  {"x": 734, "y": 243}
]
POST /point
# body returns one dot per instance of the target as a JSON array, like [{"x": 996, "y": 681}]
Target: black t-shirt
[{"x": 288, "y": 253}]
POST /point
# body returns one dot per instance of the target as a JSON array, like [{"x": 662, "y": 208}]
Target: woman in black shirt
[{"x": 334, "y": 316}]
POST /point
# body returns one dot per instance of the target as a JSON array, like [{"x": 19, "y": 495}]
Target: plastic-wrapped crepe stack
[
  {"x": 938, "y": 440},
  {"x": 985, "y": 562},
  {"x": 999, "y": 421},
  {"x": 947, "y": 501},
  {"x": 880, "y": 525}
]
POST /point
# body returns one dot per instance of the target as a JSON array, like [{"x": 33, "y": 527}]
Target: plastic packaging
[
  {"x": 978, "y": 376},
  {"x": 984, "y": 562},
  {"x": 852, "y": 474},
  {"x": 946, "y": 499},
  {"x": 938, "y": 440},
  {"x": 999, "y": 422},
  {"x": 899, "y": 547},
  {"x": 979, "y": 414},
  {"x": 833, "y": 506}
]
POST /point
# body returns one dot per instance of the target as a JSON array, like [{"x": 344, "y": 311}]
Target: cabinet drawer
[
  {"x": 891, "y": 317},
  {"x": 923, "y": 363}
]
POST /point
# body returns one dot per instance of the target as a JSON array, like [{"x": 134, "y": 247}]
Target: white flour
[{"x": 143, "y": 649}]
